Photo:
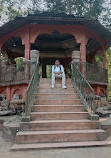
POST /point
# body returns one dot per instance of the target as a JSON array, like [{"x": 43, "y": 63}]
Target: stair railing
[
  {"x": 32, "y": 89},
  {"x": 83, "y": 88}
]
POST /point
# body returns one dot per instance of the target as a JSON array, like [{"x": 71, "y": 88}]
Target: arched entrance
[
  {"x": 53, "y": 46},
  {"x": 93, "y": 47},
  {"x": 13, "y": 47}
]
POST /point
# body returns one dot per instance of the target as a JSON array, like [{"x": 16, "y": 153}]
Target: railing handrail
[
  {"x": 85, "y": 79},
  {"x": 94, "y": 65},
  {"x": 93, "y": 73},
  {"x": 15, "y": 73},
  {"x": 15, "y": 65},
  {"x": 83, "y": 87},
  {"x": 31, "y": 89}
]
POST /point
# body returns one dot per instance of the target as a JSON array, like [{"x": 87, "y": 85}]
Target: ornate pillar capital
[{"x": 82, "y": 39}]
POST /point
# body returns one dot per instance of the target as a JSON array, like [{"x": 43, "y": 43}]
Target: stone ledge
[
  {"x": 93, "y": 117},
  {"x": 26, "y": 119},
  {"x": 13, "y": 83},
  {"x": 11, "y": 127},
  {"x": 106, "y": 125}
]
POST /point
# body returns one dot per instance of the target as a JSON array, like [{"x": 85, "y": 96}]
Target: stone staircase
[{"x": 58, "y": 119}]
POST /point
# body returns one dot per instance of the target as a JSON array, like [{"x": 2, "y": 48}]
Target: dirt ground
[{"x": 96, "y": 152}]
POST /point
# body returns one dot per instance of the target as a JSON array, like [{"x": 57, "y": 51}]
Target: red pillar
[
  {"x": 104, "y": 57},
  {"x": 27, "y": 51},
  {"x": 27, "y": 61},
  {"x": 83, "y": 52},
  {"x": 26, "y": 41},
  {"x": 83, "y": 57},
  {"x": 8, "y": 93}
]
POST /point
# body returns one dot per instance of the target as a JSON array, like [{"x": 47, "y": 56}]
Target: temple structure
[
  {"x": 54, "y": 36},
  {"x": 56, "y": 117}
]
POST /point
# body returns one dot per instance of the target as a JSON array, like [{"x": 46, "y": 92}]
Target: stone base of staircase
[
  {"x": 23, "y": 147},
  {"x": 59, "y": 119}
]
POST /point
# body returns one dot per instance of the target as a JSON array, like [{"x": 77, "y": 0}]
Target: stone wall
[{"x": 11, "y": 90}]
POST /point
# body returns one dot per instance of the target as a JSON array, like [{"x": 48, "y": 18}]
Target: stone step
[
  {"x": 27, "y": 147},
  {"x": 59, "y": 115},
  {"x": 58, "y": 108},
  {"x": 57, "y": 96},
  {"x": 45, "y": 125},
  {"x": 58, "y": 102},
  {"x": 28, "y": 137},
  {"x": 56, "y": 90},
  {"x": 48, "y": 85},
  {"x": 48, "y": 80}
]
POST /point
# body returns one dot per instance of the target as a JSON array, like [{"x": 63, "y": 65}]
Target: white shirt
[{"x": 57, "y": 69}]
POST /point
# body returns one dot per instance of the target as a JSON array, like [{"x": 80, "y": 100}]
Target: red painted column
[
  {"x": 27, "y": 61},
  {"x": 83, "y": 57},
  {"x": 8, "y": 93},
  {"x": 104, "y": 57},
  {"x": 27, "y": 51},
  {"x": 27, "y": 54},
  {"x": 83, "y": 52}
]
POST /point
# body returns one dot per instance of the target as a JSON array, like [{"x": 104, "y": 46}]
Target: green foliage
[
  {"x": 4, "y": 57},
  {"x": 20, "y": 63},
  {"x": 49, "y": 71},
  {"x": 88, "y": 8},
  {"x": 56, "y": 6},
  {"x": 108, "y": 57},
  {"x": 19, "y": 60},
  {"x": 99, "y": 58}
]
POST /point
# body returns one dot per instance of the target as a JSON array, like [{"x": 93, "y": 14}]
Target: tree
[
  {"x": 88, "y": 8},
  {"x": 9, "y": 9},
  {"x": 56, "y": 6},
  {"x": 108, "y": 57},
  {"x": 96, "y": 9},
  {"x": 106, "y": 16}
]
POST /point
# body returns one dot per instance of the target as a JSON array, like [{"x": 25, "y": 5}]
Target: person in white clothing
[{"x": 58, "y": 72}]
